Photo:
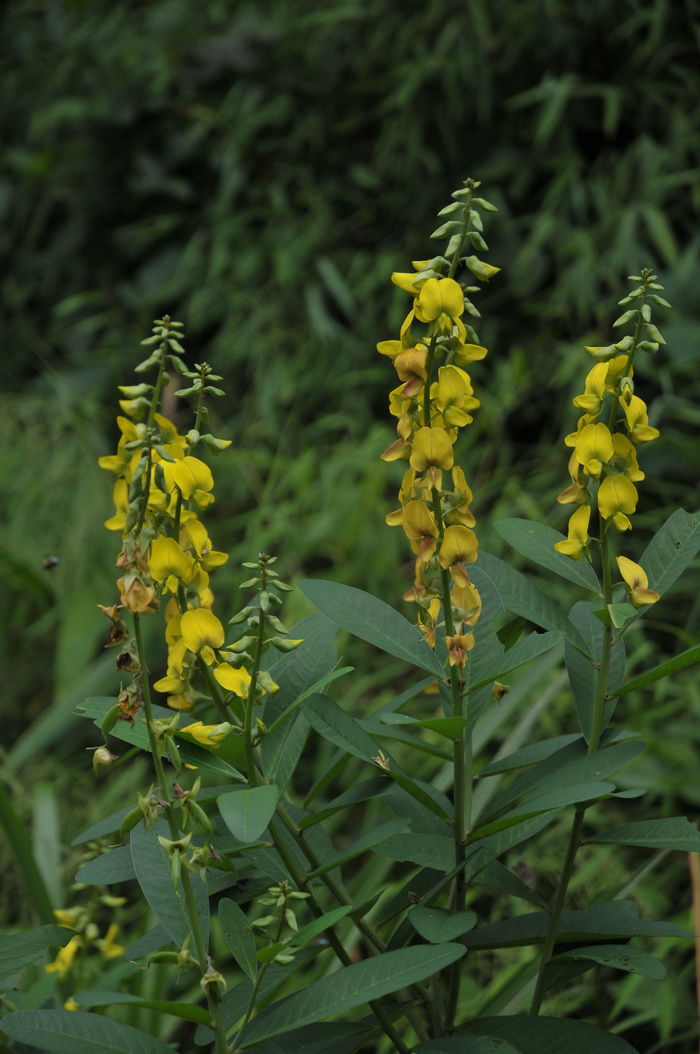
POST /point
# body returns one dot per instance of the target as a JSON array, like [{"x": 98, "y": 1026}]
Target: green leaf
[
  {"x": 671, "y": 550},
  {"x": 186, "y": 1011},
  {"x": 604, "y": 921},
  {"x": 559, "y": 798},
  {"x": 372, "y": 620},
  {"x": 113, "y": 866},
  {"x": 365, "y": 791},
  {"x": 107, "y": 825},
  {"x": 620, "y": 957},
  {"x": 238, "y": 934},
  {"x": 320, "y": 925},
  {"x": 488, "y": 668},
  {"x": 678, "y": 662},
  {"x": 374, "y": 837},
  {"x": 204, "y": 760},
  {"x": 536, "y": 541},
  {"x": 583, "y": 675},
  {"x": 152, "y": 867},
  {"x": 461, "y": 1043},
  {"x": 676, "y": 832},
  {"x": 351, "y": 987},
  {"x": 438, "y": 925},
  {"x": 450, "y": 727},
  {"x": 523, "y": 597},
  {"x": 18, "y": 950},
  {"x": 542, "y": 1035},
  {"x": 68, "y": 1031},
  {"x": 430, "y": 850},
  {"x": 247, "y": 812},
  {"x": 529, "y": 755}
]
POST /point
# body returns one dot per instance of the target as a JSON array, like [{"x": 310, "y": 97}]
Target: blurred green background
[{"x": 258, "y": 171}]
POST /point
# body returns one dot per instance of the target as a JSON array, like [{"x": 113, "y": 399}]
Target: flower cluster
[
  {"x": 433, "y": 401},
  {"x": 603, "y": 465},
  {"x": 160, "y": 490}
]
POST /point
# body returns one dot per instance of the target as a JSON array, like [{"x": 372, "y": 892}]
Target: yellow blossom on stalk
[
  {"x": 577, "y": 493},
  {"x": 420, "y": 529},
  {"x": 637, "y": 583},
  {"x": 456, "y": 505},
  {"x": 64, "y": 960},
  {"x": 638, "y": 427},
  {"x": 459, "y": 546},
  {"x": 624, "y": 460},
  {"x": 594, "y": 448},
  {"x": 457, "y": 647},
  {"x": 576, "y": 545},
  {"x": 192, "y": 478},
  {"x": 453, "y": 396},
  {"x": 441, "y": 301},
  {"x": 208, "y": 735},
  {"x": 410, "y": 366},
  {"x": 431, "y": 448},
  {"x": 201, "y": 631},
  {"x": 427, "y": 620},
  {"x": 108, "y": 945},
  {"x": 233, "y": 679},
  {"x": 592, "y": 399},
  {"x": 169, "y": 565},
  {"x": 617, "y": 500}
]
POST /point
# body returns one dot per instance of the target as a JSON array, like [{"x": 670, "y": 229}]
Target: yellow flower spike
[
  {"x": 201, "y": 629},
  {"x": 431, "y": 448},
  {"x": 638, "y": 427},
  {"x": 169, "y": 564},
  {"x": 209, "y": 735},
  {"x": 617, "y": 500},
  {"x": 459, "y": 546},
  {"x": 420, "y": 528},
  {"x": 234, "y": 679},
  {"x": 441, "y": 300},
  {"x": 576, "y": 544},
  {"x": 637, "y": 583},
  {"x": 592, "y": 399},
  {"x": 594, "y": 448}
]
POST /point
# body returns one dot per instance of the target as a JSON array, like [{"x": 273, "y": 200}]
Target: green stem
[
  {"x": 593, "y": 744},
  {"x": 32, "y": 881},
  {"x": 192, "y": 913}
]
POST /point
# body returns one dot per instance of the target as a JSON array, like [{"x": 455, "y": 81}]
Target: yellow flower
[
  {"x": 594, "y": 448},
  {"x": 452, "y": 394},
  {"x": 208, "y": 735},
  {"x": 169, "y": 564},
  {"x": 64, "y": 960},
  {"x": 457, "y": 648},
  {"x": 192, "y": 477},
  {"x": 459, "y": 546},
  {"x": 234, "y": 679},
  {"x": 431, "y": 448},
  {"x": 108, "y": 946},
  {"x": 410, "y": 366},
  {"x": 592, "y": 399},
  {"x": 617, "y": 499},
  {"x": 441, "y": 300},
  {"x": 577, "y": 493},
  {"x": 200, "y": 629},
  {"x": 638, "y": 427},
  {"x": 465, "y": 599},
  {"x": 457, "y": 506},
  {"x": 576, "y": 544},
  {"x": 420, "y": 529},
  {"x": 637, "y": 583}
]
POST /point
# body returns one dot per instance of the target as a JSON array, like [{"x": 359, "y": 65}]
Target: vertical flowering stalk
[
  {"x": 604, "y": 470},
  {"x": 433, "y": 403}
]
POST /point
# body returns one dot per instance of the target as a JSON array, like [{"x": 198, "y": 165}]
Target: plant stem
[{"x": 192, "y": 913}]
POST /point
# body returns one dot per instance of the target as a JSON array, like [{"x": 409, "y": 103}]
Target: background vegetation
[{"x": 258, "y": 170}]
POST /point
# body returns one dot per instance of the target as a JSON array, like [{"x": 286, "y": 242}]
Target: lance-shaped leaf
[
  {"x": 351, "y": 987},
  {"x": 671, "y": 550},
  {"x": 18, "y": 950},
  {"x": 372, "y": 620},
  {"x": 437, "y": 925},
  {"x": 89, "y": 998},
  {"x": 620, "y": 957},
  {"x": 522, "y": 597},
  {"x": 583, "y": 675},
  {"x": 68, "y": 1031},
  {"x": 676, "y": 832},
  {"x": 530, "y": 1035},
  {"x": 536, "y": 541},
  {"x": 113, "y": 866},
  {"x": 665, "y": 669},
  {"x": 238, "y": 934}
]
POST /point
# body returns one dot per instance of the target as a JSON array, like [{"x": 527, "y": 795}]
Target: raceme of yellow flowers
[
  {"x": 433, "y": 401},
  {"x": 614, "y": 425},
  {"x": 166, "y": 555}
]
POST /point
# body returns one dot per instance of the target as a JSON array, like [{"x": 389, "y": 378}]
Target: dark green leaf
[
  {"x": 18, "y": 950},
  {"x": 247, "y": 812},
  {"x": 152, "y": 867},
  {"x": 678, "y": 662},
  {"x": 372, "y": 620},
  {"x": 351, "y": 987},
  {"x": 620, "y": 957},
  {"x": 320, "y": 925},
  {"x": 438, "y": 925},
  {"x": 546, "y": 1035},
  {"x": 488, "y": 668},
  {"x": 372, "y": 838},
  {"x": 521, "y": 596},
  {"x": 674, "y": 833},
  {"x": 529, "y": 755},
  {"x": 671, "y": 550},
  {"x": 113, "y": 866},
  {"x": 68, "y": 1031},
  {"x": 187, "y": 1011},
  {"x": 238, "y": 934},
  {"x": 536, "y": 541},
  {"x": 583, "y": 675}
]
